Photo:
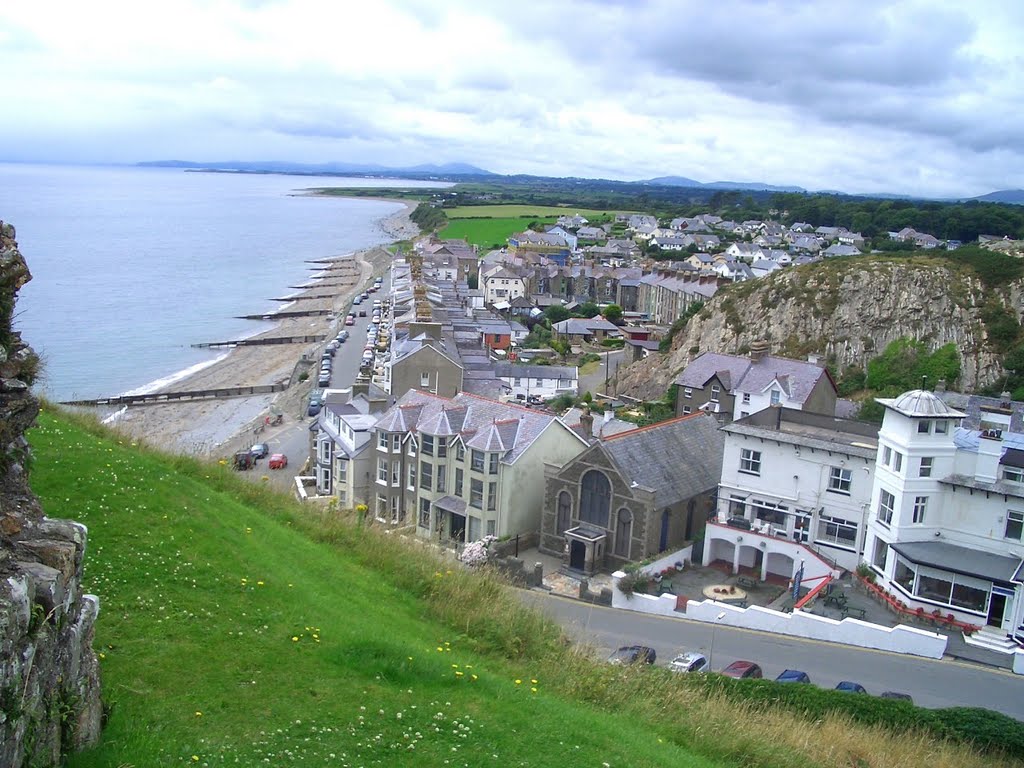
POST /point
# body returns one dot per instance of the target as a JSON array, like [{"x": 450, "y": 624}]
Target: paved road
[
  {"x": 595, "y": 382},
  {"x": 292, "y": 439},
  {"x": 932, "y": 683}
]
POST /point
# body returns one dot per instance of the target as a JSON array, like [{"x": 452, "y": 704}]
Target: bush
[{"x": 614, "y": 343}]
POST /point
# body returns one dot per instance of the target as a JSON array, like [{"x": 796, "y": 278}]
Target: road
[
  {"x": 292, "y": 439},
  {"x": 932, "y": 683},
  {"x": 595, "y": 382}
]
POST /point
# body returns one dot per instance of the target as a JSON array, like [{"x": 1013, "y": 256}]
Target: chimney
[
  {"x": 608, "y": 416},
  {"x": 812, "y": 359},
  {"x": 990, "y": 450},
  {"x": 940, "y": 386},
  {"x": 587, "y": 421},
  {"x": 758, "y": 350}
]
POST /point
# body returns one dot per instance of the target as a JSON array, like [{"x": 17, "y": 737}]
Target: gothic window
[
  {"x": 623, "y": 532},
  {"x": 595, "y": 499},
  {"x": 564, "y": 512}
]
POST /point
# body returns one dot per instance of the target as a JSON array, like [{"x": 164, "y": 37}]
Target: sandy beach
[{"x": 215, "y": 428}]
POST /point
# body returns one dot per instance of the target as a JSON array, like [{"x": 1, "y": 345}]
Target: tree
[
  {"x": 587, "y": 309},
  {"x": 473, "y": 281},
  {"x": 556, "y": 313},
  {"x": 613, "y": 313}
]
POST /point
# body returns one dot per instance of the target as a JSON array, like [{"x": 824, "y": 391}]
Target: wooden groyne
[
  {"x": 306, "y": 298},
  {"x": 322, "y": 284},
  {"x": 172, "y": 397},
  {"x": 290, "y": 313},
  {"x": 262, "y": 342}
]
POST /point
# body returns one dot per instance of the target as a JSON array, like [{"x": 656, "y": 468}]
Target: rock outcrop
[
  {"x": 49, "y": 675},
  {"x": 846, "y": 312}
]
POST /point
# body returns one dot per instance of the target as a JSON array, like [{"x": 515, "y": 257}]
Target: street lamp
[{"x": 711, "y": 652}]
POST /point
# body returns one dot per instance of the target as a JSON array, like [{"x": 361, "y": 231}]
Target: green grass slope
[
  {"x": 238, "y": 628},
  {"x": 230, "y": 637},
  {"x": 489, "y": 232}
]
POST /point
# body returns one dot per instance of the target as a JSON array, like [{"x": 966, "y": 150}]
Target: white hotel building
[{"x": 933, "y": 502}]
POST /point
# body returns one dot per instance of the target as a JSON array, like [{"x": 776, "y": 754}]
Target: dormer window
[
  {"x": 1013, "y": 474},
  {"x": 715, "y": 391},
  {"x": 776, "y": 397}
]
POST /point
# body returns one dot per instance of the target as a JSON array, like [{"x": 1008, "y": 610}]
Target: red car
[
  {"x": 743, "y": 670},
  {"x": 350, "y": 320},
  {"x": 278, "y": 461}
]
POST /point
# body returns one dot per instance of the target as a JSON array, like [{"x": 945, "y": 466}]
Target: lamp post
[{"x": 711, "y": 652}]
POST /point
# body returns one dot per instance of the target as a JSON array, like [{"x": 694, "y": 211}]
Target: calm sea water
[{"x": 131, "y": 266}]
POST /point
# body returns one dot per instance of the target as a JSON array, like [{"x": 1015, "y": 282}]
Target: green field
[
  {"x": 238, "y": 627},
  {"x": 490, "y": 232},
  {"x": 512, "y": 211}
]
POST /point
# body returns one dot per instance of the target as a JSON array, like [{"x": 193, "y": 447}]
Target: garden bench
[
  {"x": 848, "y": 610},
  {"x": 746, "y": 582},
  {"x": 838, "y": 599}
]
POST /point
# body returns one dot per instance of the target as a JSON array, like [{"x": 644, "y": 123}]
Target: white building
[
  {"x": 933, "y": 503},
  {"x": 543, "y": 381},
  {"x": 801, "y": 483},
  {"x": 947, "y": 512}
]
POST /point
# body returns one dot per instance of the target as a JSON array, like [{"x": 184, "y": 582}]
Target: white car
[{"x": 689, "y": 661}]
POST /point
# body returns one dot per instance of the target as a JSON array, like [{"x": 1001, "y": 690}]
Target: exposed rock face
[
  {"x": 49, "y": 675},
  {"x": 845, "y": 311}
]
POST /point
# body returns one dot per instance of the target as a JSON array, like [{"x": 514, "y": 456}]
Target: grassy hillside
[
  {"x": 239, "y": 628},
  {"x": 519, "y": 211}
]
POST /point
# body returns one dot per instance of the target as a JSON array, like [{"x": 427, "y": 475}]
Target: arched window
[
  {"x": 623, "y": 532},
  {"x": 595, "y": 499},
  {"x": 564, "y": 512}
]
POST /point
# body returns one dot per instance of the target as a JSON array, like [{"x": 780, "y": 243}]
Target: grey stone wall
[{"x": 49, "y": 675}]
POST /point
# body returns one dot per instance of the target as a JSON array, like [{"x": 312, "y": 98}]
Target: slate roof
[
  {"x": 506, "y": 370},
  {"x": 971, "y": 405},
  {"x": 677, "y": 459},
  {"x": 482, "y": 423},
  {"x": 741, "y": 374},
  {"x": 582, "y": 326}
]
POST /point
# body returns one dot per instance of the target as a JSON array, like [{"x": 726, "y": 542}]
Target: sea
[{"x": 131, "y": 266}]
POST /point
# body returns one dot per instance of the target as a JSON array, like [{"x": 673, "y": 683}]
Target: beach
[{"x": 214, "y": 428}]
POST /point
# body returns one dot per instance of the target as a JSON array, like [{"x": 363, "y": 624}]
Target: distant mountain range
[
  {"x": 280, "y": 166},
  {"x": 1014, "y": 196},
  {"x": 456, "y": 170},
  {"x": 682, "y": 181}
]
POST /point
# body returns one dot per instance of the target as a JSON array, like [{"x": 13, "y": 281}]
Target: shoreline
[{"x": 215, "y": 428}]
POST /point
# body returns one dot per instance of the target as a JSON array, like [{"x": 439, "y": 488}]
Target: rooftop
[{"x": 788, "y": 425}]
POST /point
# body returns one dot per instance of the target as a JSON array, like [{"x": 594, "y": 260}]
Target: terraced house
[{"x": 465, "y": 467}]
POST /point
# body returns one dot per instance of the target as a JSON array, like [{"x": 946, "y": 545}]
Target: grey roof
[
  {"x": 676, "y": 459},
  {"x": 451, "y": 504},
  {"x": 602, "y": 427},
  {"x": 506, "y": 370},
  {"x": 1013, "y": 457},
  {"x": 741, "y": 374},
  {"x": 811, "y": 430},
  {"x": 952, "y": 557},
  {"x": 972, "y": 406},
  {"x": 582, "y": 325},
  {"x": 920, "y": 403},
  {"x": 484, "y": 424}
]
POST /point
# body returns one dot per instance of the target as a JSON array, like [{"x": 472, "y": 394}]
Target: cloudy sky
[{"x": 915, "y": 97}]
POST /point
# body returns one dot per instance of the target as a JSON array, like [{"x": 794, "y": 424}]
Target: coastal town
[{"x": 760, "y": 483}]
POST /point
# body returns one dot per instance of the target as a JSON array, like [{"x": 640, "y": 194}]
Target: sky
[{"x": 921, "y": 98}]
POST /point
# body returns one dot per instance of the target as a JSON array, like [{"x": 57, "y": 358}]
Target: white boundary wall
[
  {"x": 899, "y": 639},
  {"x": 684, "y": 555}
]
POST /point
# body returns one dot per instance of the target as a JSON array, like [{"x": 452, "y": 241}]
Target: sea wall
[{"x": 49, "y": 674}]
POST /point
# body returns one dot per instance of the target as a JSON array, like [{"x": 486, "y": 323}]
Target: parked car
[
  {"x": 851, "y": 687},
  {"x": 362, "y": 313},
  {"x": 332, "y": 347},
  {"x": 689, "y": 661},
  {"x": 793, "y": 676},
  {"x": 350, "y": 320},
  {"x": 324, "y": 380},
  {"x": 315, "y": 404},
  {"x": 342, "y": 336},
  {"x": 278, "y": 461},
  {"x": 243, "y": 460},
  {"x": 742, "y": 670},
  {"x": 897, "y": 695},
  {"x": 357, "y": 300},
  {"x": 633, "y": 654},
  {"x": 259, "y": 450}
]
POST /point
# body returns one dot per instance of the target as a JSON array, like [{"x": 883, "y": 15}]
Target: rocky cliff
[
  {"x": 846, "y": 311},
  {"x": 49, "y": 675}
]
